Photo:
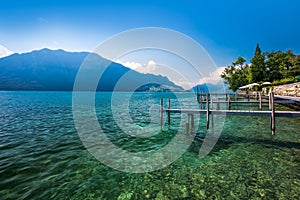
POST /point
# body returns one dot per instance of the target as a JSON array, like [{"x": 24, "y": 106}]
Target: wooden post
[
  {"x": 197, "y": 94},
  {"x": 192, "y": 121},
  {"x": 207, "y": 112},
  {"x": 235, "y": 96},
  {"x": 226, "y": 97},
  {"x": 161, "y": 113},
  {"x": 201, "y": 99},
  {"x": 272, "y": 114},
  {"x": 270, "y": 101},
  {"x": 228, "y": 101},
  {"x": 248, "y": 95},
  {"x": 260, "y": 103},
  {"x": 169, "y": 114},
  {"x": 212, "y": 107},
  {"x": 218, "y": 104},
  {"x": 187, "y": 126}
]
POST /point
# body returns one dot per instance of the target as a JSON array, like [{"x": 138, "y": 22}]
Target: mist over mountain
[
  {"x": 211, "y": 88},
  {"x": 56, "y": 70}
]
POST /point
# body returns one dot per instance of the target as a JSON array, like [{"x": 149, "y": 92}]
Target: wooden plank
[
  {"x": 253, "y": 102},
  {"x": 294, "y": 99},
  {"x": 238, "y": 112}
]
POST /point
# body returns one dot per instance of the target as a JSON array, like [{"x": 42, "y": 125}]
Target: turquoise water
[{"x": 42, "y": 156}]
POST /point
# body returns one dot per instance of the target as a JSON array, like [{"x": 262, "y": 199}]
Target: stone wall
[{"x": 288, "y": 90}]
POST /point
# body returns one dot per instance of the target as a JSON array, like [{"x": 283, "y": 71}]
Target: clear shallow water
[{"x": 42, "y": 156}]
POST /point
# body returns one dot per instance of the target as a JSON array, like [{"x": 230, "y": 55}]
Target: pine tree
[
  {"x": 257, "y": 50},
  {"x": 258, "y": 68}
]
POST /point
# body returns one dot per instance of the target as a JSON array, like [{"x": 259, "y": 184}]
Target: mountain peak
[
  {"x": 48, "y": 69},
  {"x": 4, "y": 51}
]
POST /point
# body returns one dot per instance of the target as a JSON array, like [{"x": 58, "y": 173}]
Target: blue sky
[{"x": 226, "y": 29}]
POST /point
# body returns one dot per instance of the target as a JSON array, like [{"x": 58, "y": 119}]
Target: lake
[{"x": 43, "y": 156}]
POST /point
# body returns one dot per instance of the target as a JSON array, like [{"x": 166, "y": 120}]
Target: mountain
[
  {"x": 4, "y": 51},
  {"x": 211, "y": 88},
  {"x": 56, "y": 70}
]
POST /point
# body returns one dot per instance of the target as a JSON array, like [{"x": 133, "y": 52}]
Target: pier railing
[{"x": 208, "y": 101}]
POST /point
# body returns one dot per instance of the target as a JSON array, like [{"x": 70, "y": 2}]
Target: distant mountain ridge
[
  {"x": 211, "y": 88},
  {"x": 56, "y": 70}
]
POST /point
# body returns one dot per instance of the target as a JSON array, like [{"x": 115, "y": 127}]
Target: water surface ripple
[{"x": 42, "y": 157}]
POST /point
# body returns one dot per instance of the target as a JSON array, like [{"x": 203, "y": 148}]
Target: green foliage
[
  {"x": 276, "y": 67},
  {"x": 276, "y": 63},
  {"x": 257, "y": 50},
  {"x": 287, "y": 80},
  {"x": 276, "y": 83},
  {"x": 237, "y": 75},
  {"x": 258, "y": 69}
]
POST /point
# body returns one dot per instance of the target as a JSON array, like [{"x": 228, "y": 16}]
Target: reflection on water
[{"x": 42, "y": 157}]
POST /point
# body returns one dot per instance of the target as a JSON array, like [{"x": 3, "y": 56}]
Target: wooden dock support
[
  {"x": 190, "y": 121},
  {"x": 187, "y": 125},
  {"x": 191, "y": 118},
  {"x": 270, "y": 101},
  {"x": 201, "y": 100},
  {"x": 272, "y": 113},
  {"x": 228, "y": 101},
  {"x": 212, "y": 107},
  {"x": 169, "y": 114},
  {"x": 197, "y": 95},
  {"x": 207, "y": 99},
  {"x": 260, "y": 103},
  {"x": 207, "y": 111},
  {"x": 161, "y": 110}
]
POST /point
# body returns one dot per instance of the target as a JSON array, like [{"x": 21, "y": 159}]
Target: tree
[
  {"x": 274, "y": 66},
  {"x": 258, "y": 69},
  {"x": 294, "y": 64},
  {"x": 257, "y": 50},
  {"x": 278, "y": 66},
  {"x": 237, "y": 74}
]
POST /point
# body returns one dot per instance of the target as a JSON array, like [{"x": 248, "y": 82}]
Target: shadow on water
[{"x": 226, "y": 141}]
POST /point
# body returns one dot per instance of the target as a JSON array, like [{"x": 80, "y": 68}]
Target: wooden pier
[{"x": 209, "y": 102}]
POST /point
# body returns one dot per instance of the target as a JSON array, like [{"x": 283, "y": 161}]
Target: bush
[
  {"x": 287, "y": 80},
  {"x": 275, "y": 83}
]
